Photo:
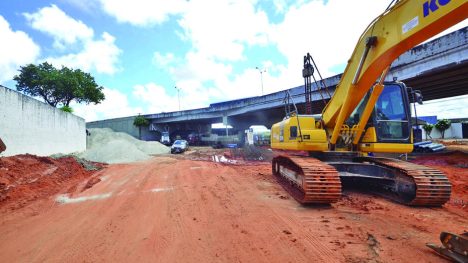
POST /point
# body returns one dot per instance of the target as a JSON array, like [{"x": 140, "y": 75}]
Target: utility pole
[
  {"x": 261, "y": 76},
  {"x": 178, "y": 95}
]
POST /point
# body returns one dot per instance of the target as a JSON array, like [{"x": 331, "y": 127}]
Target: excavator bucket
[{"x": 454, "y": 247}]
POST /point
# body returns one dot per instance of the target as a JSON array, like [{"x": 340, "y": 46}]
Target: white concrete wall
[
  {"x": 118, "y": 125},
  {"x": 454, "y": 132},
  {"x": 30, "y": 126}
]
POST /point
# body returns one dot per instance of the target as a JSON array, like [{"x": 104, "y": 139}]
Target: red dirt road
[{"x": 175, "y": 210}]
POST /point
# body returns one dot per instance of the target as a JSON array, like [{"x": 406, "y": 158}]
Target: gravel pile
[{"x": 105, "y": 145}]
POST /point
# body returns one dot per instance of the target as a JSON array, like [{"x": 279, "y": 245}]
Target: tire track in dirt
[
  {"x": 281, "y": 227},
  {"x": 296, "y": 229}
]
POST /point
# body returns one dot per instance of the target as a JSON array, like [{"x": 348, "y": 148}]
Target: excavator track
[
  {"x": 308, "y": 180},
  {"x": 432, "y": 188}
]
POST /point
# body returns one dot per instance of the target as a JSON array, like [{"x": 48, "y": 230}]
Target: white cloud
[
  {"x": 280, "y": 6},
  {"x": 222, "y": 32},
  {"x": 17, "y": 50},
  {"x": 193, "y": 94},
  {"x": 454, "y": 107},
  {"x": 328, "y": 31},
  {"x": 156, "y": 98},
  {"x": 99, "y": 55},
  {"x": 64, "y": 29},
  {"x": 203, "y": 80},
  {"x": 200, "y": 67},
  {"x": 221, "y": 37},
  {"x": 204, "y": 73},
  {"x": 197, "y": 91},
  {"x": 161, "y": 60},
  {"x": 142, "y": 12},
  {"x": 114, "y": 106}
]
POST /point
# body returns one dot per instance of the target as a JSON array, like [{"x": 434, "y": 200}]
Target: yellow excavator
[{"x": 366, "y": 115}]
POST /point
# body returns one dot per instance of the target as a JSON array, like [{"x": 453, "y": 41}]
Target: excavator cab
[
  {"x": 389, "y": 127},
  {"x": 391, "y": 115}
]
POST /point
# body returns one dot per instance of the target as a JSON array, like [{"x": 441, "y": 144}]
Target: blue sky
[{"x": 140, "y": 50}]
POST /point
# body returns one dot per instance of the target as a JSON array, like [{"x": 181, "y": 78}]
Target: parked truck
[{"x": 165, "y": 139}]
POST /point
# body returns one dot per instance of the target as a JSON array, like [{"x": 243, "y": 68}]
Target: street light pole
[
  {"x": 178, "y": 95},
  {"x": 261, "y": 76}
]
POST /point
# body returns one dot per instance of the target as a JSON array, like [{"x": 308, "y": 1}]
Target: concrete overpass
[{"x": 438, "y": 68}]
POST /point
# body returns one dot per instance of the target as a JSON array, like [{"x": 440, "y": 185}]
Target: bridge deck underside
[{"x": 449, "y": 81}]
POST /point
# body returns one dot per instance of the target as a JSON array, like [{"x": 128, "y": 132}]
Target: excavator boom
[{"x": 401, "y": 27}]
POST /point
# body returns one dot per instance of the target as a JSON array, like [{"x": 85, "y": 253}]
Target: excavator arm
[{"x": 401, "y": 27}]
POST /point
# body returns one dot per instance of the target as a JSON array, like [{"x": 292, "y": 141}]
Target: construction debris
[
  {"x": 428, "y": 146},
  {"x": 106, "y": 146}
]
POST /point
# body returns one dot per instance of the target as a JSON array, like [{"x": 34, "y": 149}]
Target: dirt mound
[
  {"x": 247, "y": 155},
  {"x": 455, "y": 145},
  {"x": 25, "y": 178},
  {"x": 457, "y": 159},
  {"x": 105, "y": 145},
  {"x": 251, "y": 153}
]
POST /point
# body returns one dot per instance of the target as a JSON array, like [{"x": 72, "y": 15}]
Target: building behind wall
[{"x": 458, "y": 128}]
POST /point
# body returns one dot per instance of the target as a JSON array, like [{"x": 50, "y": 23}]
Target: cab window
[{"x": 293, "y": 131}]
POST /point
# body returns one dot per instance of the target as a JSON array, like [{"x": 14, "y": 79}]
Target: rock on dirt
[{"x": 106, "y": 146}]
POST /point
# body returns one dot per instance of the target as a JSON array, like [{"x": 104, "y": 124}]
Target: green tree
[
  {"x": 58, "y": 86},
  {"x": 140, "y": 121},
  {"x": 66, "y": 108},
  {"x": 442, "y": 126},
  {"x": 428, "y": 129}
]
